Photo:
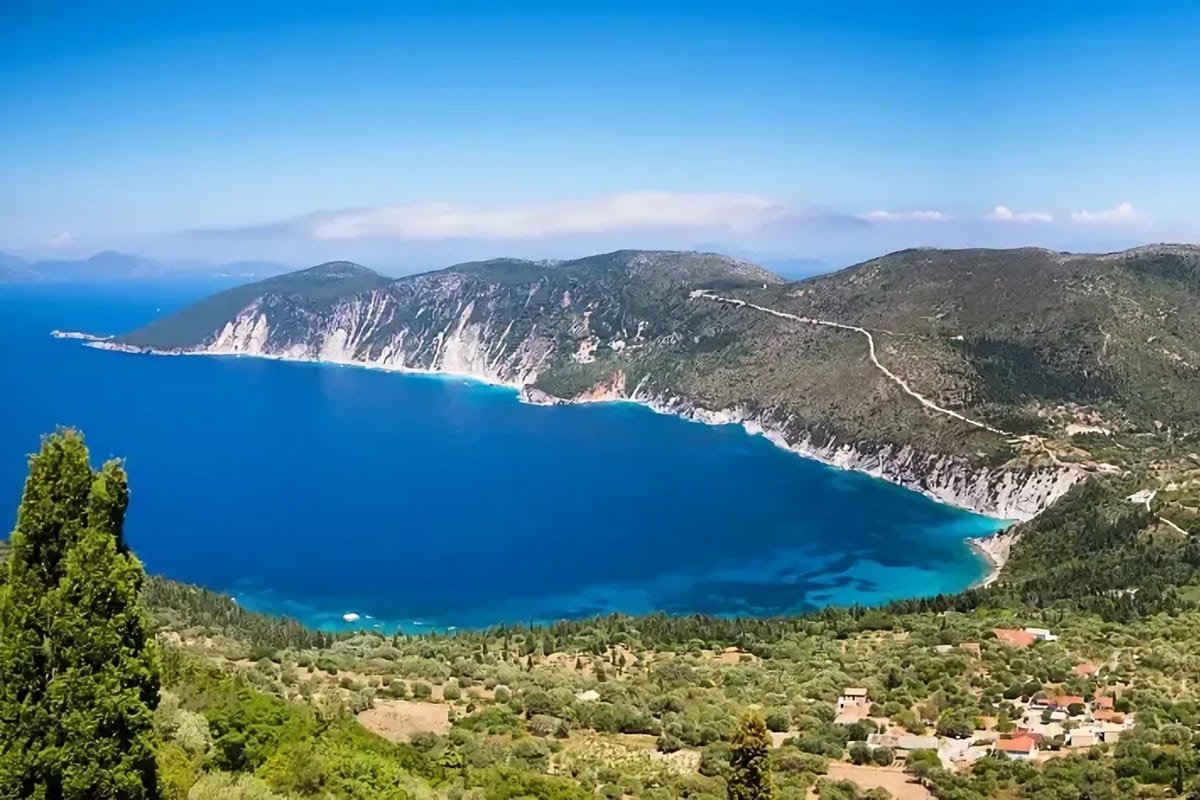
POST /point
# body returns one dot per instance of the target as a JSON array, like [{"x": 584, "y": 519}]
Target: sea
[{"x": 356, "y": 498}]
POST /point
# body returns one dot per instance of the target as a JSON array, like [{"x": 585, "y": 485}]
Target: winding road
[
  {"x": 893, "y": 377},
  {"x": 896, "y": 379}
]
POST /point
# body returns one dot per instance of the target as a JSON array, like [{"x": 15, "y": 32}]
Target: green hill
[{"x": 323, "y": 283}]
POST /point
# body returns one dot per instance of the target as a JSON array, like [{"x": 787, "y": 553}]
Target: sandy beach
[{"x": 995, "y": 549}]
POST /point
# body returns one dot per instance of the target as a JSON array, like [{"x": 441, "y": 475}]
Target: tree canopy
[{"x": 79, "y": 677}]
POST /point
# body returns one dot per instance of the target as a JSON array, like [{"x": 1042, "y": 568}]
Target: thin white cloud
[
  {"x": 919, "y": 215},
  {"x": 621, "y": 212},
  {"x": 1006, "y": 214},
  {"x": 1123, "y": 214},
  {"x": 61, "y": 239}
]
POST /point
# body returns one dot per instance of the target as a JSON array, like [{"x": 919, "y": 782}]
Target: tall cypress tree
[
  {"x": 750, "y": 762},
  {"x": 78, "y": 673}
]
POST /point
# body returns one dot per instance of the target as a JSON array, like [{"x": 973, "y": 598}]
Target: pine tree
[
  {"x": 78, "y": 673},
  {"x": 749, "y": 764}
]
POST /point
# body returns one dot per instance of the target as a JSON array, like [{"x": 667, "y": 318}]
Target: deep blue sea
[{"x": 318, "y": 490}]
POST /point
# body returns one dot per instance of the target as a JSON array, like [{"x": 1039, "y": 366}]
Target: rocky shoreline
[{"x": 1010, "y": 495}]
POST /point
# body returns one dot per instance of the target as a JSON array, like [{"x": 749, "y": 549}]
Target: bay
[{"x": 415, "y": 501}]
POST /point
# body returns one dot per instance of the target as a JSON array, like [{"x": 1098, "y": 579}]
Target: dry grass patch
[
  {"x": 398, "y": 720},
  {"x": 890, "y": 778}
]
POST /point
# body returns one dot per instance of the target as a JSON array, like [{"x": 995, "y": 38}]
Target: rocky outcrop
[{"x": 362, "y": 332}]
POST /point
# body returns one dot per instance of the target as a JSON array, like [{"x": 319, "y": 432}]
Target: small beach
[{"x": 995, "y": 551}]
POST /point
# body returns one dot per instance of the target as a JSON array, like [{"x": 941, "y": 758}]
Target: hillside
[
  {"x": 1069, "y": 353},
  {"x": 310, "y": 288}
]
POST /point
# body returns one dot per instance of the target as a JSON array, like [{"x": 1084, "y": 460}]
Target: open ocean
[{"x": 317, "y": 490}]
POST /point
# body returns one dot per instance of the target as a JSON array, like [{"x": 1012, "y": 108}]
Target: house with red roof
[
  {"x": 1086, "y": 670},
  {"x": 1038, "y": 738},
  {"x": 1018, "y": 748},
  {"x": 1014, "y": 638}
]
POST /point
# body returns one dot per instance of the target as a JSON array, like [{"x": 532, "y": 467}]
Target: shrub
[
  {"x": 261, "y": 651},
  {"x": 778, "y": 721},
  {"x": 789, "y": 759},
  {"x": 860, "y": 753},
  {"x": 668, "y": 743},
  {"x": 547, "y": 725}
]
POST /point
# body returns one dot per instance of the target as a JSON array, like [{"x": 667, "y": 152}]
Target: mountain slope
[
  {"x": 520, "y": 322},
  {"x": 296, "y": 293},
  {"x": 1035, "y": 326},
  {"x": 1056, "y": 347}
]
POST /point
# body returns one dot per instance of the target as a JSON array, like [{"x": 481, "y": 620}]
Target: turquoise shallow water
[{"x": 317, "y": 490}]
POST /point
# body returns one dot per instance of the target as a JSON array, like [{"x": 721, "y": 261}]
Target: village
[{"x": 1036, "y": 728}]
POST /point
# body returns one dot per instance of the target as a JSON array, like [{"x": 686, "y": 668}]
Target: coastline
[
  {"x": 995, "y": 550},
  {"x": 1010, "y": 496},
  {"x": 103, "y": 343},
  {"x": 992, "y": 548}
]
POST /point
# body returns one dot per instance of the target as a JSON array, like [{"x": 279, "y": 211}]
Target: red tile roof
[
  {"x": 1086, "y": 669},
  {"x": 1014, "y": 637},
  {"x": 1025, "y": 733},
  {"x": 1017, "y": 744},
  {"x": 1062, "y": 701},
  {"x": 1103, "y": 701}
]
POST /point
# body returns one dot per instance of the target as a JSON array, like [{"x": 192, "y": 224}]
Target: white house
[
  {"x": 853, "y": 697},
  {"x": 1041, "y": 634},
  {"x": 903, "y": 743},
  {"x": 1018, "y": 748}
]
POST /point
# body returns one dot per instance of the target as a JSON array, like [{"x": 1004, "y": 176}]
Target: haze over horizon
[{"x": 440, "y": 132}]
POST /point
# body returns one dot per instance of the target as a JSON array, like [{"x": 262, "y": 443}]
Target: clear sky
[{"x": 404, "y": 132}]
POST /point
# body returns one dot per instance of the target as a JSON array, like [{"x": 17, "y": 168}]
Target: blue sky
[{"x": 400, "y": 133}]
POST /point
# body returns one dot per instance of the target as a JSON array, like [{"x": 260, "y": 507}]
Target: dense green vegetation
[
  {"x": 671, "y": 684},
  {"x": 1096, "y": 551}
]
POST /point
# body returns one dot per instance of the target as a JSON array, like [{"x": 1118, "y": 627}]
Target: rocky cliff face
[
  {"x": 368, "y": 331},
  {"x": 617, "y": 330},
  {"x": 1002, "y": 492}
]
